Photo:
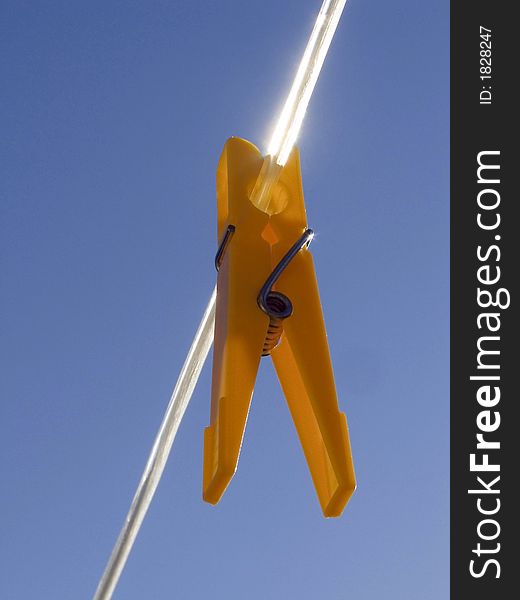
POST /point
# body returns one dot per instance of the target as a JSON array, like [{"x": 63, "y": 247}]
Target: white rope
[
  {"x": 160, "y": 451},
  {"x": 291, "y": 119},
  {"x": 284, "y": 137}
]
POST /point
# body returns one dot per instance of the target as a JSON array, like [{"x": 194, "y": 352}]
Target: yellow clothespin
[{"x": 268, "y": 304}]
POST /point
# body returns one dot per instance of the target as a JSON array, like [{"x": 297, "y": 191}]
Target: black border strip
[{"x": 477, "y": 128}]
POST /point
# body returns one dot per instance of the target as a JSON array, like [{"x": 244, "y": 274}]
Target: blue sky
[{"x": 113, "y": 117}]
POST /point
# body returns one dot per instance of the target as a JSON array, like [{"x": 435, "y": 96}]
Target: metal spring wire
[
  {"x": 275, "y": 327},
  {"x": 275, "y": 305}
]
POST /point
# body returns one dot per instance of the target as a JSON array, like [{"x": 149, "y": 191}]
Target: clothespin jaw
[{"x": 285, "y": 322}]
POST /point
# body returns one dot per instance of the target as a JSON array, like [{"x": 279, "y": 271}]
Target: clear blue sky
[{"x": 113, "y": 117}]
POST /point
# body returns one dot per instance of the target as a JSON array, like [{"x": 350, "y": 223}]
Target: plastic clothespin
[{"x": 268, "y": 304}]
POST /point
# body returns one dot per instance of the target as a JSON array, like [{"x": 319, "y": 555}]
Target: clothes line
[{"x": 282, "y": 142}]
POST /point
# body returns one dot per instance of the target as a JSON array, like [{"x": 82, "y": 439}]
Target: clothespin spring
[
  {"x": 219, "y": 256},
  {"x": 277, "y": 306}
]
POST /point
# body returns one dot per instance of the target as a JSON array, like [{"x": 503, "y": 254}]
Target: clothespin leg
[
  {"x": 240, "y": 329},
  {"x": 302, "y": 361}
]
